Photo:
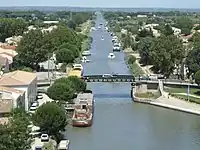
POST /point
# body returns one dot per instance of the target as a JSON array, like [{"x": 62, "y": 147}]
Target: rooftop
[
  {"x": 17, "y": 78},
  {"x": 84, "y": 98}
]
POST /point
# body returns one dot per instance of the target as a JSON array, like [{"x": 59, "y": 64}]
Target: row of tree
[
  {"x": 37, "y": 46},
  {"x": 10, "y": 27}
]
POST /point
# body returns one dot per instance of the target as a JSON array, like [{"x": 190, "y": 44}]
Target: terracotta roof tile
[{"x": 17, "y": 78}]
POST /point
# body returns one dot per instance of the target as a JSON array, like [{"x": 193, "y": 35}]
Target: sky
[{"x": 105, "y": 3}]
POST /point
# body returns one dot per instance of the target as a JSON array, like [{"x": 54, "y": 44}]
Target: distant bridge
[
  {"x": 121, "y": 78},
  {"x": 109, "y": 78}
]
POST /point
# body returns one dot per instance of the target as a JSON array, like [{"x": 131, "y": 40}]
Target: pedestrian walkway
[{"x": 166, "y": 99}]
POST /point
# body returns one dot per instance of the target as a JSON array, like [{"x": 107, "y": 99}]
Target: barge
[{"x": 83, "y": 110}]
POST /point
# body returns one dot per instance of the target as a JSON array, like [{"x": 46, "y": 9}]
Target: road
[{"x": 120, "y": 124}]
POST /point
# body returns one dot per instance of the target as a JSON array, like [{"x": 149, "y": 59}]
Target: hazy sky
[{"x": 105, "y": 3}]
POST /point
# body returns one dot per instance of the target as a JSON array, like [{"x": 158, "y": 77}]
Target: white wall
[{"x": 30, "y": 93}]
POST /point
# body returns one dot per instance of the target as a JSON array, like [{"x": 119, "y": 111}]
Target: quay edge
[{"x": 152, "y": 102}]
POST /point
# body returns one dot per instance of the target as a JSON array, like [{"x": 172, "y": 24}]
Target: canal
[{"x": 120, "y": 124}]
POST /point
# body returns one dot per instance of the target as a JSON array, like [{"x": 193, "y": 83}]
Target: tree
[
  {"x": 197, "y": 77},
  {"x": 33, "y": 48},
  {"x": 11, "y": 27},
  {"x": 131, "y": 59},
  {"x": 15, "y": 134},
  {"x": 127, "y": 40},
  {"x": 61, "y": 91},
  {"x": 185, "y": 24},
  {"x": 168, "y": 30},
  {"x": 77, "y": 84},
  {"x": 51, "y": 118},
  {"x": 166, "y": 51},
  {"x": 64, "y": 56},
  {"x": 71, "y": 47},
  {"x": 144, "y": 50},
  {"x": 145, "y": 32},
  {"x": 193, "y": 57}
]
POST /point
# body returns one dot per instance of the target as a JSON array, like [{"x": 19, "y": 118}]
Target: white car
[
  {"x": 77, "y": 67},
  {"x": 39, "y": 97},
  {"x": 86, "y": 53},
  {"x": 111, "y": 56},
  {"x": 33, "y": 109},
  {"x": 35, "y": 104},
  {"x": 44, "y": 138},
  {"x": 107, "y": 76}
]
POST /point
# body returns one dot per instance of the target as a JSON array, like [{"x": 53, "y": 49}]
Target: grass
[
  {"x": 85, "y": 27},
  {"x": 85, "y": 45},
  {"x": 193, "y": 91},
  {"x": 147, "y": 95},
  {"x": 184, "y": 97},
  {"x": 135, "y": 69}
]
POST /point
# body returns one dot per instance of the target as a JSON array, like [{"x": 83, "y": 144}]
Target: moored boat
[{"x": 83, "y": 110}]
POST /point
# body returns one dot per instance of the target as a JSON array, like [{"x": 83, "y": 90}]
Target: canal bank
[{"x": 121, "y": 124}]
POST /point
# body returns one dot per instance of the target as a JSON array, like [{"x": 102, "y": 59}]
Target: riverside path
[{"x": 120, "y": 124}]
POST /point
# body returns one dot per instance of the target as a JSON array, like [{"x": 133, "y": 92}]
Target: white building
[
  {"x": 13, "y": 40},
  {"x": 10, "y": 98},
  {"x": 24, "y": 81},
  {"x": 176, "y": 31},
  {"x": 51, "y": 22}
]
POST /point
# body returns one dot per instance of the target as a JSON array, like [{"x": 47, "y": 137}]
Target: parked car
[
  {"x": 39, "y": 97},
  {"x": 36, "y": 104},
  {"x": 107, "y": 75},
  {"x": 33, "y": 109},
  {"x": 44, "y": 138}
]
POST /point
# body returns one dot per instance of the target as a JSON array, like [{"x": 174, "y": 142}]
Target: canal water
[{"x": 120, "y": 124}]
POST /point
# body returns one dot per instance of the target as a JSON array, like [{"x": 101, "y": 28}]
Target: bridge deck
[{"x": 109, "y": 78}]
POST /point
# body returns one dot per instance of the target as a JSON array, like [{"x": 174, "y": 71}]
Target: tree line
[{"x": 167, "y": 51}]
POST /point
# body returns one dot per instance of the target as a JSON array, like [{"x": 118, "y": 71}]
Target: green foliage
[
  {"x": 16, "y": 135},
  {"x": 117, "y": 28},
  {"x": 165, "y": 52},
  {"x": 77, "y": 84},
  {"x": 51, "y": 118},
  {"x": 127, "y": 41},
  {"x": 185, "y": 24},
  {"x": 193, "y": 57},
  {"x": 197, "y": 27},
  {"x": 27, "y": 69},
  {"x": 168, "y": 30},
  {"x": 131, "y": 59},
  {"x": 65, "y": 56},
  {"x": 144, "y": 50},
  {"x": 61, "y": 92},
  {"x": 144, "y": 33},
  {"x": 197, "y": 77},
  {"x": 33, "y": 48},
  {"x": 10, "y": 27},
  {"x": 48, "y": 146},
  {"x": 64, "y": 89}
]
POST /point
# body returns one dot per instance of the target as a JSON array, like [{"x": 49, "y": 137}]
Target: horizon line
[{"x": 104, "y": 7}]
